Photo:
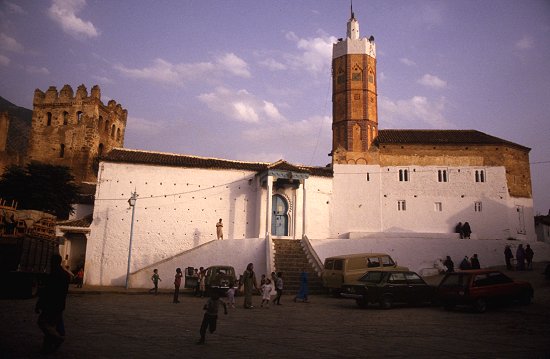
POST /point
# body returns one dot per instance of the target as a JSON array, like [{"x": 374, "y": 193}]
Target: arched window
[
  {"x": 65, "y": 118},
  {"x": 118, "y": 134},
  {"x": 62, "y": 151},
  {"x": 107, "y": 126},
  {"x": 79, "y": 117},
  {"x": 113, "y": 131},
  {"x": 100, "y": 150},
  {"x": 100, "y": 122},
  {"x": 49, "y": 123}
]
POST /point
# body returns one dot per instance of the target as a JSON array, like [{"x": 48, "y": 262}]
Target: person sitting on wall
[
  {"x": 466, "y": 230},
  {"x": 459, "y": 230}
]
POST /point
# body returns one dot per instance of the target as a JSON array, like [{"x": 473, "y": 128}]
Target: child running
[
  {"x": 211, "y": 315},
  {"x": 155, "y": 278}
]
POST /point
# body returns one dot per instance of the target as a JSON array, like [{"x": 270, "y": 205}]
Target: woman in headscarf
[{"x": 249, "y": 282}]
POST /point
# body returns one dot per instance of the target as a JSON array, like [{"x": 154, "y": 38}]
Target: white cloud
[
  {"x": 165, "y": 72},
  {"x": 35, "y": 70},
  {"x": 525, "y": 43},
  {"x": 64, "y": 12},
  {"x": 9, "y": 43},
  {"x": 234, "y": 65},
  {"x": 432, "y": 81},
  {"x": 315, "y": 53},
  {"x": 307, "y": 137},
  {"x": 415, "y": 111},
  {"x": 141, "y": 126},
  {"x": 4, "y": 60},
  {"x": 407, "y": 61},
  {"x": 273, "y": 64},
  {"x": 240, "y": 105}
]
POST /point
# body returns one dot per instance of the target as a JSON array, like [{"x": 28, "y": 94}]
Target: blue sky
[{"x": 250, "y": 80}]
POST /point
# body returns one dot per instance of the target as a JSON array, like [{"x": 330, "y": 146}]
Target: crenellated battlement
[{"x": 75, "y": 129}]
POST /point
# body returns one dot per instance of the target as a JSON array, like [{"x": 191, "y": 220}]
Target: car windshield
[{"x": 372, "y": 277}]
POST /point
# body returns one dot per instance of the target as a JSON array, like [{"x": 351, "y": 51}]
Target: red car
[{"x": 480, "y": 287}]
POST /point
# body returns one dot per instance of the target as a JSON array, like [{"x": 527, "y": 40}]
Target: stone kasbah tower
[
  {"x": 74, "y": 131},
  {"x": 354, "y": 97}
]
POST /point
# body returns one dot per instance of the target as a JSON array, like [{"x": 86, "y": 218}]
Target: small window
[
  {"x": 339, "y": 264},
  {"x": 387, "y": 261},
  {"x": 118, "y": 134},
  {"x": 62, "y": 151},
  {"x": 49, "y": 121},
  {"x": 373, "y": 262},
  {"x": 329, "y": 263},
  {"x": 403, "y": 175},
  {"x": 441, "y": 175},
  {"x": 79, "y": 117},
  {"x": 106, "y": 125},
  {"x": 65, "y": 118},
  {"x": 368, "y": 176},
  {"x": 480, "y": 175},
  {"x": 401, "y": 205},
  {"x": 113, "y": 131},
  {"x": 477, "y": 206},
  {"x": 356, "y": 76},
  {"x": 438, "y": 206},
  {"x": 100, "y": 122},
  {"x": 397, "y": 278},
  {"x": 100, "y": 150}
]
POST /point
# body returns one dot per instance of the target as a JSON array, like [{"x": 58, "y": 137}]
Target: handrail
[{"x": 312, "y": 256}]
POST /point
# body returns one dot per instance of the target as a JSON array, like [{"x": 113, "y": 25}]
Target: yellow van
[{"x": 350, "y": 267}]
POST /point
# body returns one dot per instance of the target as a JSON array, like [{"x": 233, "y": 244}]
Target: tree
[{"x": 41, "y": 187}]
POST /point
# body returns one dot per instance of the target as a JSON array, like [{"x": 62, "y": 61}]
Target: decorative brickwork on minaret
[
  {"x": 354, "y": 96},
  {"x": 74, "y": 130}
]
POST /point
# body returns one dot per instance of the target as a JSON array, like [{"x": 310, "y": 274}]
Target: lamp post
[{"x": 132, "y": 203}]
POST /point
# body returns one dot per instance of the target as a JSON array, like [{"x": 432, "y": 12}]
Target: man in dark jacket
[{"x": 51, "y": 304}]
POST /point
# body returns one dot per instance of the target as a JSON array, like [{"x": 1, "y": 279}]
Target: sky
[{"x": 251, "y": 80}]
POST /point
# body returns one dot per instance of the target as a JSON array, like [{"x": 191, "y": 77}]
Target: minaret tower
[{"x": 354, "y": 104}]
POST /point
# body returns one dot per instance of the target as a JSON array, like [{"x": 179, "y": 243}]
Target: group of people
[
  {"x": 524, "y": 257},
  {"x": 465, "y": 264},
  {"x": 463, "y": 230}
]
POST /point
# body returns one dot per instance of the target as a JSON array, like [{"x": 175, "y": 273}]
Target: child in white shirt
[{"x": 266, "y": 288}]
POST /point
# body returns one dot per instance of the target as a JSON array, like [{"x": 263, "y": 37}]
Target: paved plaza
[{"x": 113, "y": 323}]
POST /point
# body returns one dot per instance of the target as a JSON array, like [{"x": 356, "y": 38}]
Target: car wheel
[
  {"x": 480, "y": 305},
  {"x": 362, "y": 303},
  {"x": 386, "y": 302}
]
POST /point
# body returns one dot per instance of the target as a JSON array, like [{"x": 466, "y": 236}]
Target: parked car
[
  {"x": 350, "y": 267},
  {"x": 387, "y": 288},
  {"x": 479, "y": 288},
  {"x": 218, "y": 277}
]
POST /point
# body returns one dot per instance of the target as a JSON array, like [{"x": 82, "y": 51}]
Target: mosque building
[{"x": 382, "y": 183}]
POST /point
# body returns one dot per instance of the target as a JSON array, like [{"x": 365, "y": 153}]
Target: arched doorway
[{"x": 279, "y": 220}]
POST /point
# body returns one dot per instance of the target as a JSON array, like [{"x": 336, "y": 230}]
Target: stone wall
[{"x": 73, "y": 130}]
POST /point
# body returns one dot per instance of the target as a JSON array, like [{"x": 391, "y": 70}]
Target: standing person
[
  {"x": 466, "y": 230},
  {"x": 80, "y": 277},
  {"x": 474, "y": 261},
  {"x": 155, "y": 278},
  {"x": 231, "y": 296},
  {"x": 177, "y": 283},
  {"x": 303, "y": 292},
  {"x": 279, "y": 288},
  {"x": 529, "y": 257},
  {"x": 266, "y": 288},
  {"x": 210, "y": 318},
  {"x": 197, "y": 282},
  {"x": 249, "y": 283},
  {"x": 219, "y": 229},
  {"x": 449, "y": 264},
  {"x": 458, "y": 229},
  {"x": 51, "y": 304},
  {"x": 508, "y": 257},
  {"x": 520, "y": 258},
  {"x": 202, "y": 282}
]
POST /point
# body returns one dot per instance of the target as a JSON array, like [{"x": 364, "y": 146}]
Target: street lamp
[{"x": 132, "y": 203}]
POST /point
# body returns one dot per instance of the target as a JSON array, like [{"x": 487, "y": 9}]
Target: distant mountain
[{"x": 20, "y": 126}]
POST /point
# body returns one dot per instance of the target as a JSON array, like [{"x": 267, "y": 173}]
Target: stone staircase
[{"x": 290, "y": 259}]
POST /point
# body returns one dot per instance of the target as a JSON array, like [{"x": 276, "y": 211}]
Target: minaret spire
[{"x": 352, "y": 14}]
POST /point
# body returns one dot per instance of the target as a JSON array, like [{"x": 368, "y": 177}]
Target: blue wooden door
[{"x": 279, "y": 220}]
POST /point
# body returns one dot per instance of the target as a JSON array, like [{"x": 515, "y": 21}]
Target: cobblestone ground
[{"x": 103, "y": 324}]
